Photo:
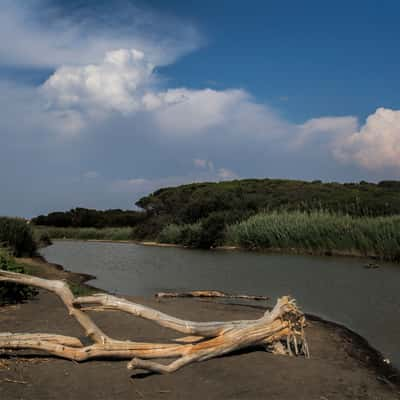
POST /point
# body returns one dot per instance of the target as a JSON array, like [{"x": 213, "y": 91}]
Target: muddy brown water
[{"x": 338, "y": 289}]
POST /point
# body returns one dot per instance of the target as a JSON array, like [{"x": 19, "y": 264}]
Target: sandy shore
[{"x": 342, "y": 366}]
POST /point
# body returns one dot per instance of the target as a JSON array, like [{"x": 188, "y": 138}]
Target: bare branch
[{"x": 62, "y": 290}]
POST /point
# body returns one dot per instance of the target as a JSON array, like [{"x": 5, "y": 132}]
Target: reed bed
[
  {"x": 316, "y": 232},
  {"x": 319, "y": 232}
]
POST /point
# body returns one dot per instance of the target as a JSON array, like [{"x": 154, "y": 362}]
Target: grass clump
[
  {"x": 319, "y": 232},
  {"x": 17, "y": 235}
]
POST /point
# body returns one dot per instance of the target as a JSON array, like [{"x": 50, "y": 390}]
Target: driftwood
[
  {"x": 280, "y": 331},
  {"x": 209, "y": 293}
]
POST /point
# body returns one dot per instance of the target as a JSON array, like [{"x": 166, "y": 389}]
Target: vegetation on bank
[
  {"x": 210, "y": 232},
  {"x": 16, "y": 239},
  {"x": 253, "y": 213},
  {"x": 17, "y": 236},
  {"x": 319, "y": 232},
  {"x": 11, "y": 293},
  {"x": 235, "y": 201}
]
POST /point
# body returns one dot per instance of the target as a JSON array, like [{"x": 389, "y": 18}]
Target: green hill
[{"x": 258, "y": 213}]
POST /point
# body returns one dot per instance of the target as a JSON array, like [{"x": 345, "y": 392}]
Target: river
[{"x": 335, "y": 288}]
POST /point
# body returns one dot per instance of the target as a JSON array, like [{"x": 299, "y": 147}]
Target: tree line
[
  {"x": 205, "y": 209},
  {"x": 87, "y": 218}
]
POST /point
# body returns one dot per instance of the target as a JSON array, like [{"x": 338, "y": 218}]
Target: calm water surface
[{"x": 338, "y": 289}]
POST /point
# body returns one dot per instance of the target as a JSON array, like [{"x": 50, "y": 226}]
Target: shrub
[
  {"x": 44, "y": 239},
  {"x": 17, "y": 235},
  {"x": 187, "y": 234},
  {"x": 172, "y": 233},
  {"x": 212, "y": 231},
  {"x": 191, "y": 235},
  {"x": 11, "y": 293}
]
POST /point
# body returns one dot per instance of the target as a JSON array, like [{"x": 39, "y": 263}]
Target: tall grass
[
  {"x": 123, "y": 233},
  {"x": 17, "y": 236},
  {"x": 319, "y": 232}
]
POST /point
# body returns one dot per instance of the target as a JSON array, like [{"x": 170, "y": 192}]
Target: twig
[{"x": 14, "y": 381}]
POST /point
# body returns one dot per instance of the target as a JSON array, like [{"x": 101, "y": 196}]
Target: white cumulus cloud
[
  {"x": 124, "y": 81},
  {"x": 376, "y": 145},
  {"x": 114, "y": 84},
  {"x": 183, "y": 111},
  {"x": 331, "y": 126}
]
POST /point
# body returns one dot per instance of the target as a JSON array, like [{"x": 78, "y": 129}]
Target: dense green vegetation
[
  {"x": 319, "y": 232},
  {"x": 17, "y": 238},
  {"x": 190, "y": 203},
  {"x": 17, "y": 235},
  {"x": 198, "y": 215},
  {"x": 86, "y": 218},
  {"x": 208, "y": 233},
  {"x": 11, "y": 293},
  {"x": 205, "y": 215}
]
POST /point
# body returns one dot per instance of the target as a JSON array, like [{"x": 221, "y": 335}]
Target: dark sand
[{"x": 342, "y": 365}]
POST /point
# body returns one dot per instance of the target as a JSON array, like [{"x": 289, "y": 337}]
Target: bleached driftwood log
[
  {"x": 280, "y": 330},
  {"x": 209, "y": 293}
]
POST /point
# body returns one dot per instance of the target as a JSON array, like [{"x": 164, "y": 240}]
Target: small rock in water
[{"x": 371, "y": 266}]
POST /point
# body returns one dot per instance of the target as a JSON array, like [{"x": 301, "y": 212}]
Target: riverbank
[
  {"x": 342, "y": 366},
  {"x": 38, "y": 266},
  {"x": 317, "y": 233},
  {"x": 286, "y": 251}
]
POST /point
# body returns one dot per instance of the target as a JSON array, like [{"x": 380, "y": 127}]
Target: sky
[{"x": 103, "y": 102}]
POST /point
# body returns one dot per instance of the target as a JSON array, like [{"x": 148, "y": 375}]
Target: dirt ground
[{"x": 341, "y": 365}]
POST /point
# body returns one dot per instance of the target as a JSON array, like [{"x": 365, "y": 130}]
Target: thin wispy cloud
[{"x": 43, "y": 33}]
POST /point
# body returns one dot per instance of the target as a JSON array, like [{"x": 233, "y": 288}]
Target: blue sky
[
  {"x": 325, "y": 57},
  {"x": 103, "y": 102}
]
